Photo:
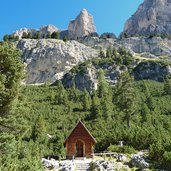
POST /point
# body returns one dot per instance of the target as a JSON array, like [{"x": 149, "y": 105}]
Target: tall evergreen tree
[
  {"x": 86, "y": 100},
  {"x": 95, "y": 107},
  {"x": 39, "y": 129},
  {"x": 102, "y": 84},
  {"x": 126, "y": 96},
  {"x": 145, "y": 111},
  {"x": 148, "y": 97},
  {"x": 61, "y": 96},
  {"x": 55, "y": 35},
  {"x": 167, "y": 85},
  {"x": 11, "y": 74},
  {"x": 106, "y": 106}
]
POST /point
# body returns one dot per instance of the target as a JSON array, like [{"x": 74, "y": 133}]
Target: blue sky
[{"x": 109, "y": 15}]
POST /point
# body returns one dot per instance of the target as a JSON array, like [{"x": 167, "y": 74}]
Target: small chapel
[{"x": 80, "y": 142}]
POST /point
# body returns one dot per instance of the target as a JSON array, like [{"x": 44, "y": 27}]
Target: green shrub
[
  {"x": 167, "y": 160},
  {"x": 121, "y": 149}
]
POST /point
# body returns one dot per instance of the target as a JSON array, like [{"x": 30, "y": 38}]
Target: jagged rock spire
[{"x": 83, "y": 25}]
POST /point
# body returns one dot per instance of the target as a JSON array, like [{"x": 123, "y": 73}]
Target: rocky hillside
[
  {"x": 49, "y": 59},
  {"x": 85, "y": 75},
  {"x": 153, "y": 47},
  {"x": 153, "y": 17}
]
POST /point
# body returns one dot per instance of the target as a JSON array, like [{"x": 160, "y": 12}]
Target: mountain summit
[
  {"x": 83, "y": 25},
  {"x": 153, "y": 17}
]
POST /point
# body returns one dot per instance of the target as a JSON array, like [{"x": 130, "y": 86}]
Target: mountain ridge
[
  {"x": 153, "y": 17},
  {"x": 49, "y": 59}
]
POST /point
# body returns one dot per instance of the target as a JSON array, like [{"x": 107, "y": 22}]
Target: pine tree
[
  {"x": 55, "y": 35},
  {"x": 25, "y": 35},
  {"x": 145, "y": 111},
  {"x": 95, "y": 108},
  {"x": 102, "y": 84},
  {"x": 61, "y": 96},
  {"x": 167, "y": 85},
  {"x": 106, "y": 106},
  {"x": 39, "y": 130},
  {"x": 56, "y": 144},
  {"x": 86, "y": 100},
  {"x": 126, "y": 96},
  {"x": 6, "y": 38},
  {"x": 29, "y": 35},
  {"x": 37, "y": 35},
  {"x": 48, "y": 35},
  {"x": 109, "y": 52},
  {"x": 11, "y": 74}
]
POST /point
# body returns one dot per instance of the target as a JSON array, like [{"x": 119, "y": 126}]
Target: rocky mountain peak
[
  {"x": 83, "y": 25},
  {"x": 84, "y": 11},
  {"x": 153, "y": 17}
]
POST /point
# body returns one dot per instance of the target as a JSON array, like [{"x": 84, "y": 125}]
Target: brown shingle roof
[{"x": 80, "y": 122}]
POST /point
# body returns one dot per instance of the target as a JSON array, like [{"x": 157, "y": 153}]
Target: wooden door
[{"x": 79, "y": 149}]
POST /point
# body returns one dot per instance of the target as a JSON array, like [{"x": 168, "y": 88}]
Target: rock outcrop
[
  {"x": 145, "y": 47},
  {"x": 49, "y": 59},
  {"x": 139, "y": 162},
  {"x": 153, "y": 17},
  {"x": 52, "y": 164},
  {"x": 151, "y": 70},
  {"x": 49, "y": 29},
  {"x": 83, "y": 25},
  {"x": 86, "y": 77},
  {"x": 20, "y": 32}
]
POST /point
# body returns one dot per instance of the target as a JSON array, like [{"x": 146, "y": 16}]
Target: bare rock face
[
  {"x": 83, "y": 25},
  {"x": 49, "y": 59},
  {"x": 86, "y": 77},
  {"x": 43, "y": 31},
  {"x": 20, "y": 32},
  {"x": 48, "y": 29},
  {"x": 153, "y": 17},
  {"x": 151, "y": 71},
  {"x": 154, "y": 47}
]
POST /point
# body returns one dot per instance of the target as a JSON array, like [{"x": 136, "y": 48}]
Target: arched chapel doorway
[{"x": 79, "y": 149}]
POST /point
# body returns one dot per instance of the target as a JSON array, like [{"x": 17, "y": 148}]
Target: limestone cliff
[
  {"x": 153, "y": 17},
  {"x": 49, "y": 59},
  {"x": 145, "y": 47}
]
